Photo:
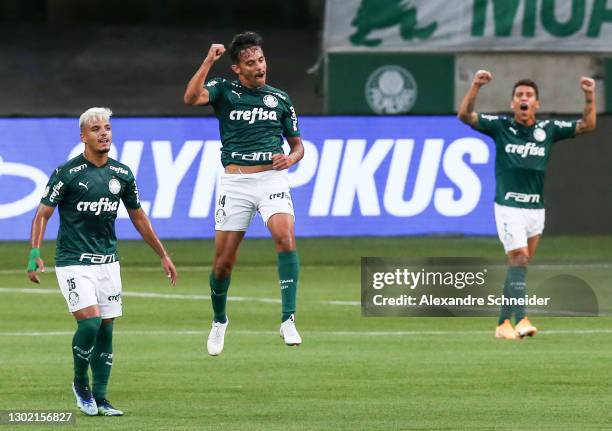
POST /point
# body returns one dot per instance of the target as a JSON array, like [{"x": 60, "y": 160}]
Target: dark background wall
[
  {"x": 58, "y": 57},
  {"x": 579, "y": 183}
]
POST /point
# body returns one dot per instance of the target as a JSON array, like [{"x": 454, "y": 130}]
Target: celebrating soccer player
[
  {"x": 523, "y": 145},
  {"x": 88, "y": 189},
  {"x": 253, "y": 118}
]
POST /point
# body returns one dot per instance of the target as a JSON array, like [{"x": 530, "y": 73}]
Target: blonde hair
[{"x": 93, "y": 114}]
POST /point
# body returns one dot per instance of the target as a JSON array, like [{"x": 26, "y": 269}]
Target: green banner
[
  {"x": 468, "y": 25},
  {"x": 360, "y": 83}
]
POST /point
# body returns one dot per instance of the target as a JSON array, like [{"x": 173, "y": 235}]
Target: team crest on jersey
[
  {"x": 73, "y": 298},
  {"x": 114, "y": 186},
  {"x": 270, "y": 101},
  {"x": 539, "y": 135},
  {"x": 220, "y": 216}
]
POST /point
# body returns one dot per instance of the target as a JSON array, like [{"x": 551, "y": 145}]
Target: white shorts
[
  {"x": 516, "y": 225},
  {"x": 241, "y": 196},
  {"x": 87, "y": 285}
]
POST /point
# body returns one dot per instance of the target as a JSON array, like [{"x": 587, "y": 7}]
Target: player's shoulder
[
  {"x": 558, "y": 123},
  {"x": 277, "y": 92},
  {"x": 119, "y": 169},
  {"x": 217, "y": 83},
  {"x": 498, "y": 118},
  {"x": 71, "y": 168}
]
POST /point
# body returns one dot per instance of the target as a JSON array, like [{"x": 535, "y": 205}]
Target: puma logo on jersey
[
  {"x": 84, "y": 185},
  {"x": 529, "y": 149},
  {"x": 513, "y": 130},
  {"x": 256, "y": 114},
  {"x": 104, "y": 204},
  {"x": 236, "y": 93}
]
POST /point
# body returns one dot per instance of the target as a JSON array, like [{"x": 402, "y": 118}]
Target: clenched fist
[
  {"x": 482, "y": 77},
  {"x": 587, "y": 84},
  {"x": 215, "y": 52}
]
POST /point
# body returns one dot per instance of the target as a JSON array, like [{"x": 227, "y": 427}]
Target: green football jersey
[
  {"x": 88, "y": 198},
  {"x": 252, "y": 123},
  {"x": 521, "y": 156}
]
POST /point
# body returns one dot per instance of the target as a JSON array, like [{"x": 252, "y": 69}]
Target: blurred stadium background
[{"x": 388, "y": 171}]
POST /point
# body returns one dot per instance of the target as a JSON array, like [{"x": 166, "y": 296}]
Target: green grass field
[{"x": 351, "y": 373}]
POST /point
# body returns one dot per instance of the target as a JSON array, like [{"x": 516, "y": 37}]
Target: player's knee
[
  {"x": 223, "y": 267},
  {"x": 284, "y": 242},
  {"x": 519, "y": 259},
  {"x": 89, "y": 326}
]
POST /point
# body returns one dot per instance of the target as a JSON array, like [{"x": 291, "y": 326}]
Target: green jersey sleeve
[
  {"x": 563, "y": 130},
  {"x": 215, "y": 90},
  {"x": 55, "y": 190},
  {"x": 487, "y": 124},
  {"x": 290, "y": 121},
  {"x": 130, "y": 197}
]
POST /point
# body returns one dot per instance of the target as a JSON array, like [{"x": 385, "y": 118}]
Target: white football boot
[
  {"x": 289, "y": 333},
  {"x": 216, "y": 338},
  {"x": 85, "y": 400}
]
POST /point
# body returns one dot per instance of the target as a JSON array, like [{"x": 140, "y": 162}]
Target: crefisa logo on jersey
[
  {"x": 270, "y": 101},
  {"x": 391, "y": 89},
  {"x": 114, "y": 186}
]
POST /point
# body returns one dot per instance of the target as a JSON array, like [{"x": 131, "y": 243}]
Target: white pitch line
[
  {"x": 46, "y": 291},
  {"x": 315, "y": 333},
  {"x": 189, "y": 268},
  {"x": 200, "y": 268}
]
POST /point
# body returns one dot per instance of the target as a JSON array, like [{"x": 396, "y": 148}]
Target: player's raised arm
[
  {"x": 466, "y": 109},
  {"x": 39, "y": 225},
  {"x": 195, "y": 93},
  {"x": 143, "y": 226},
  {"x": 589, "y": 116}
]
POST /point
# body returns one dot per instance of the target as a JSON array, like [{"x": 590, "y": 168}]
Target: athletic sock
[
  {"x": 102, "y": 360},
  {"x": 82, "y": 347},
  {"x": 517, "y": 288},
  {"x": 288, "y": 274},
  {"x": 506, "y": 310},
  {"x": 218, "y": 296}
]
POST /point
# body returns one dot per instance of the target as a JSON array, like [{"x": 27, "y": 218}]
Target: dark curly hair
[{"x": 243, "y": 41}]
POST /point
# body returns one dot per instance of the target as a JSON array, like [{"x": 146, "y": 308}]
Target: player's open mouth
[
  {"x": 260, "y": 75},
  {"x": 524, "y": 107},
  {"x": 104, "y": 141}
]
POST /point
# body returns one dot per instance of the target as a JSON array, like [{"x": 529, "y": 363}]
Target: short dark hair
[
  {"x": 528, "y": 83},
  {"x": 243, "y": 41}
]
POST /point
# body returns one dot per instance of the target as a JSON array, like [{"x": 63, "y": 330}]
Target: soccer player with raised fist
[
  {"x": 523, "y": 145},
  {"x": 253, "y": 119}
]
